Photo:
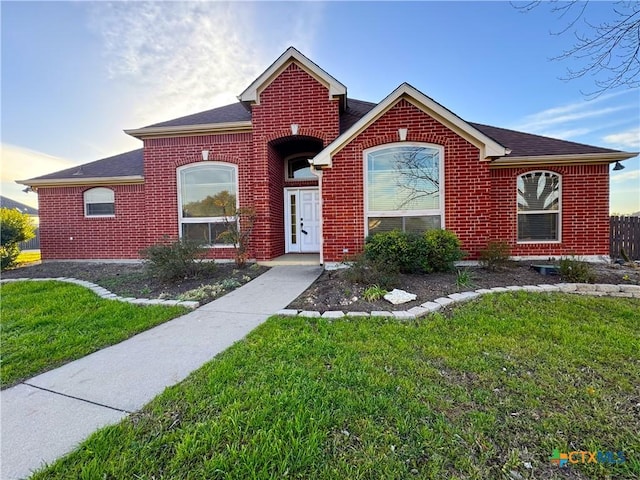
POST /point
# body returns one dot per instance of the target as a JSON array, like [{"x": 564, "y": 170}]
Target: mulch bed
[{"x": 332, "y": 291}]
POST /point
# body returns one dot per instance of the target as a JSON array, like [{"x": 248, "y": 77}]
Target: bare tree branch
[{"x": 609, "y": 50}]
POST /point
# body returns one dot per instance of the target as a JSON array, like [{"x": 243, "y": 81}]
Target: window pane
[
  {"x": 403, "y": 178},
  {"x": 100, "y": 209},
  {"x": 384, "y": 224},
  {"x": 298, "y": 168},
  {"x": 538, "y": 191},
  {"x": 99, "y": 195},
  {"x": 538, "y": 226},
  {"x": 205, "y": 233},
  {"x": 422, "y": 224},
  {"x": 208, "y": 191}
]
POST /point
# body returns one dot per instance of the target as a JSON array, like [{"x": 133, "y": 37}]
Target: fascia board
[
  {"x": 62, "y": 182},
  {"x": 187, "y": 130},
  {"x": 584, "y": 158},
  {"x": 489, "y": 148}
]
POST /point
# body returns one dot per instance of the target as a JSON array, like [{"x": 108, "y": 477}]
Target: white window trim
[
  {"x": 559, "y": 211},
  {"x": 182, "y": 220},
  {"x": 85, "y": 203},
  {"x": 403, "y": 213}
]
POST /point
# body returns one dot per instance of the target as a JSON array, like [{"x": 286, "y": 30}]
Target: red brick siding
[
  {"x": 162, "y": 157},
  {"x": 293, "y": 97},
  {"x": 466, "y": 182},
  {"x": 65, "y": 233},
  {"x": 584, "y": 210}
]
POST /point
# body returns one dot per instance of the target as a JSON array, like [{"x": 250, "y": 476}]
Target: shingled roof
[
  {"x": 131, "y": 163},
  {"x": 6, "y": 202}
]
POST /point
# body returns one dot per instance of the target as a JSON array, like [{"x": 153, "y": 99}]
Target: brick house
[{"x": 323, "y": 171}]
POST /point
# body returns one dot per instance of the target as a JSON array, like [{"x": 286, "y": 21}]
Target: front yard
[
  {"x": 488, "y": 391},
  {"x": 47, "y": 324}
]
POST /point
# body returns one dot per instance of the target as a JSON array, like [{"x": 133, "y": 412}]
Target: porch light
[
  {"x": 294, "y": 128},
  {"x": 205, "y": 155},
  {"x": 402, "y": 133},
  {"x": 618, "y": 166}
]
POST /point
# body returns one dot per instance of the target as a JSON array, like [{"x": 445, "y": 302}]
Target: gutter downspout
[{"x": 318, "y": 173}]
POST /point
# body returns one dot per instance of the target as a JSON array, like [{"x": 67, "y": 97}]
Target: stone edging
[
  {"x": 598, "y": 290},
  {"x": 104, "y": 293}
]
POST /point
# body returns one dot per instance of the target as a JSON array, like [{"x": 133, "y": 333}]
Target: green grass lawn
[
  {"x": 491, "y": 390},
  {"x": 47, "y": 324}
]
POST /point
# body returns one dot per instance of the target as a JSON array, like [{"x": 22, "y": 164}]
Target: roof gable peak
[{"x": 252, "y": 93}]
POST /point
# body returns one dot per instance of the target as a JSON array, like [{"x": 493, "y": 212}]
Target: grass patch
[
  {"x": 28, "y": 257},
  {"x": 47, "y": 324},
  {"x": 499, "y": 384}
]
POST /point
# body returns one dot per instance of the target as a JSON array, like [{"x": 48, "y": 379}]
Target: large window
[
  {"x": 404, "y": 188},
  {"x": 539, "y": 207},
  {"x": 99, "y": 202},
  {"x": 207, "y": 197}
]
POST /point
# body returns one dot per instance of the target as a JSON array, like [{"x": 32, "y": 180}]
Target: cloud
[
  {"x": 185, "y": 57},
  {"x": 627, "y": 139},
  {"x": 625, "y": 176},
  {"x": 16, "y": 158}
]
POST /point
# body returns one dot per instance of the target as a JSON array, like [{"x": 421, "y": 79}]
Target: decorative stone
[
  {"x": 381, "y": 313},
  {"x": 431, "y": 306},
  {"x": 398, "y": 297},
  {"x": 287, "y": 312},
  {"x": 309, "y": 314},
  {"x": 463, "y": 296},
  {"x": 404, "y": 315},
  {"x": 444, "y": 301},
  {"x": 333, "y": 314},
  {"x": 357, "y": 314},
  {"x": 419, "y": 311}
]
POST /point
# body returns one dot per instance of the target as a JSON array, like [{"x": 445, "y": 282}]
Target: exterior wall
[
  {"x": 467, "y": 183},
  {"x": 584, "y": 204},
  {"x": 162, "y": 156},
  {"x": 66, "y": 234},
  {"x": 294, "y": 97}
]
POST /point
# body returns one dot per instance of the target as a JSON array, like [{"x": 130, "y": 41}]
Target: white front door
[{"x": 302, "y": 220}]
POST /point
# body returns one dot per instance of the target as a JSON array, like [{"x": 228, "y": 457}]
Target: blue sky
[{"x": 75, "y": 74}]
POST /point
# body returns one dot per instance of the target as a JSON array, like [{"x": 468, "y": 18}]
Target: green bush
[
  {"x": 398, "y": 249},
  {"x": 575, "y": 271},
  {"x": 366, "y": 271},
  {"x": 15, "y": 227},
  {"x": 440, "y": 251},
  {"x": 373, "y": 293},
  {"x": 171, "y": 259},
  {"x": 495, "y": 256}
]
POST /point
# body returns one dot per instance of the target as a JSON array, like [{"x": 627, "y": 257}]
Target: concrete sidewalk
[{"x": 46, "y": 416}]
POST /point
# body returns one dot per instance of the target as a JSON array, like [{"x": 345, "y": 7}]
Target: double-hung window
[
  {"x": 539, "y": 207},
  {"x": 404, "y": 188},
  {"x": 207, "y": 194},
  {"x": 99, "y": 202}
]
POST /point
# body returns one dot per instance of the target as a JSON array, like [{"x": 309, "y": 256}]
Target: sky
[{"x": 76, "y": 74}]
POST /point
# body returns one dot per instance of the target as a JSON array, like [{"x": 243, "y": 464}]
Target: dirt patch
[
  {"x": 132, "y": 279},
  {"x": 333, "y": 291}
]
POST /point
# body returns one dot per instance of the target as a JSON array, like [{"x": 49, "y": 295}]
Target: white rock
[{"x": 398, "y": 297}]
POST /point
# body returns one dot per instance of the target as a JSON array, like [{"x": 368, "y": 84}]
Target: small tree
[
  {"x": 238, "y": 233},
  {"x": 15, "y": 227}
]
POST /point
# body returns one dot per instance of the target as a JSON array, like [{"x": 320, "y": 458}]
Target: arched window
[
  {"x": 207, "y": 200},
  {"x": 539, "y": 207},
  {"x": 404, "y": 188},
  {"x": 99, "y": 202},
  {"x": 298, "y": 168}
]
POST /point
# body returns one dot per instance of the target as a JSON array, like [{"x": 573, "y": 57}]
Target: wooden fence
[
  {"x": 624, "y": 235},
  {"x": 33, "y": 244}
]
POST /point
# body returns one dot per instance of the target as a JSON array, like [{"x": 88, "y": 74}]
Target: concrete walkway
[{"x": 47, "y": 416}]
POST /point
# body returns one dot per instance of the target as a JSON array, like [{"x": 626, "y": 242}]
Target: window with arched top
[
  {"x": 404, "y": 187},
  {"x": 539, "y": 207},
  {"x": 99, "y": 202},
  {"x": 207, "y": 200}
]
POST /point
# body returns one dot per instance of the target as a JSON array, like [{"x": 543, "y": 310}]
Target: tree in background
[
  {"x": 608, "y": 50},
  {"x": 15, "y": 227}
]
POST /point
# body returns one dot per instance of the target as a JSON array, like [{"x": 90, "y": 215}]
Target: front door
[{"x": 302, "y": 220}]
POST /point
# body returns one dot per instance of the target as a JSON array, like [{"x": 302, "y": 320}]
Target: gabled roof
[
  {"x": 489, "y": 148},
  {"x": 252, "y": 92},
  {"x": 123, "y": 168},
  {"x": 13, "y": 204}
]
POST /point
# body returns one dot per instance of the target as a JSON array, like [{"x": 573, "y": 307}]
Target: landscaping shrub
[
  {"x": 366, "y": 271},
  {"x": 373, "y": 293},
  {"x": 400, "y": 249},
  {"x": 573, "y": 270},
  {"x": 239, "y": 226},
  {"x": 15, "y": 227},
  {"x": 440, "y": 251},
  {"x": 495, "y": 256},
  {"x": 176, "y": 259}
]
